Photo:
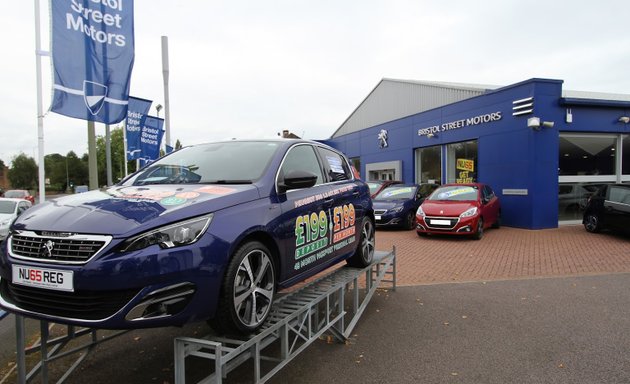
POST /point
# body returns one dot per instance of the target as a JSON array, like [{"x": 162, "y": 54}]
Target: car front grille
[
  {"x": 380, "y": 211},
  {"x": 449, "y": 222},
  {"x": 60, "y": 248},
  {"x": 83, "y": 305}
]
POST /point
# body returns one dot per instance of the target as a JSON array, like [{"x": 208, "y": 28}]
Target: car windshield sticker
[
  {"x": 455, "y": 192},
  {"x": 335, "y": 164},
  {"x": 187, "y": 195},
  {"x": 172, "y": 201},
  {"x": 317, "y": 237},
  {"x": 215, "y": 190},
  {"x": 397, "y": 191}
]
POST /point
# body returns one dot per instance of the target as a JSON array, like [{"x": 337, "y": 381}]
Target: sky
[{"x": 246, "y": 69}]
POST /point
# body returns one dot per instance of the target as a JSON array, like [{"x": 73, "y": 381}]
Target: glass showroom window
[
  {"x": 587, "y": 156},
  {"x": 585, "y": 162},
  {"x": 429, "y": 165},
  {"x": 462, "y": 162}
]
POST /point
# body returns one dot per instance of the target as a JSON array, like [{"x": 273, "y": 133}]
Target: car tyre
[
  {"x": 364, "y": 254},
  {"x": 479, "y": 232},
  {"x": 247, "y": 290},
  {"x": 410, "y": 220},
  {"x": 592, "y": 223}
]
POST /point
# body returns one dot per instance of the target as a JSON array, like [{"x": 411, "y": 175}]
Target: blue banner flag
[
  {"x": 93, "y": 53},
  {"x": 136, "y": 116},
  {"x": 150, "y": 139}
]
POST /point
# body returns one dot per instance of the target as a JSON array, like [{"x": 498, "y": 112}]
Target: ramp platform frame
[{"x": 296, "y": 320}]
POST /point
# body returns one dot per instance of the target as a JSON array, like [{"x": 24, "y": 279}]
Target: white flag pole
[
  {"x": 40, "y": 110},
  {"x": 167, "y": 104},
  {"x": 125, "y": 146}
]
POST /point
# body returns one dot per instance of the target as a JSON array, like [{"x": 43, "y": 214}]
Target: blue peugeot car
[
  {"x": 396, "y": 205},
  {"x": 209, "y": 232}
]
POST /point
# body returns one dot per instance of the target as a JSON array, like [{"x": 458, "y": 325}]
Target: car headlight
[
  {"x": 170, "y": 236},
  {"x": 469, "y": 212},
  {"x": 5, "y": 223},
  {"x": 397, "y": 209},
  {"x": 420, "y": 212}
]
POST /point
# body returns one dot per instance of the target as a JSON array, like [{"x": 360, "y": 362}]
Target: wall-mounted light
[
  {"x": 431, "y": 135},
  {"x": 536, "y": 124},
  {"x": 624, "y": 119}
]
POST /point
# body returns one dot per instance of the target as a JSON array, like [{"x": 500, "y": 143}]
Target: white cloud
[{"x": 246, "y": 68}]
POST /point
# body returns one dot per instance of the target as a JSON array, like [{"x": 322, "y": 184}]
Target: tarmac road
[{"x": 552, "y": 330}]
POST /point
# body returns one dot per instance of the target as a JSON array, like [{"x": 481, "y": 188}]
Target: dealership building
[{"x": 541, "y": 148}]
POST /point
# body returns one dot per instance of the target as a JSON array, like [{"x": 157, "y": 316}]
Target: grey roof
[
  {"x": 393, "y": 99},
  {"x": 595, "y": 95}
]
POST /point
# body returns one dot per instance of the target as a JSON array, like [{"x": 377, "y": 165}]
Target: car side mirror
[{"x": 297, "y": 180}]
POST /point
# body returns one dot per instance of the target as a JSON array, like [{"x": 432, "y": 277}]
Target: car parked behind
[
  {"x": 459, "y": 209},
  {"x": 208, "y": 232},
  {"x": 376, "y": 186},
  {"x": 10, "y": 209},
  {"x": 396, "y": 205},
  {"x": 609, "y": 208},
  {"x": 20, "y": 194}
]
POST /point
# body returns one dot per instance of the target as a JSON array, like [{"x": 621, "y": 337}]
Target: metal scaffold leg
[
  {"x": 53, "y": 348},
  {"x": 296, "y": 320}
]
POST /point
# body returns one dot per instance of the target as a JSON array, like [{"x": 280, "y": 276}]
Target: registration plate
[
  {"x": 43, "y": 278},
  {"x": 377, "y": 217},
  {"x": 440, "y": 222}
]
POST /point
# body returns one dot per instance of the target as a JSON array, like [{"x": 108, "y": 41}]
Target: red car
[
  {"x": 19, "y": 194},
  {"x": 459, "y": 209}
]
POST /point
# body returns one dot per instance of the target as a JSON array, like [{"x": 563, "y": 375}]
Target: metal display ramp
[{"x": 330, "y": 305}]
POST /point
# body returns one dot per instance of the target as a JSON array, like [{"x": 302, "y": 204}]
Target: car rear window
[{"x": 14, "y": 194}]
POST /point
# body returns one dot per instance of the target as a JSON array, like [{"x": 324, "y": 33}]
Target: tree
[
  {"x": 55, "y": 169},
  {"x": 23, "y": 172},
  {"x": 77, "y": 169},
  {"x": 117, "y": 154},
  {"x": 178, "y": 145}
]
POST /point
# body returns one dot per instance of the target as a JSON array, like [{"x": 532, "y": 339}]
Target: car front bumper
[
  {"x": 148, "y": 288},
  {"x": 447, "y": 225}
]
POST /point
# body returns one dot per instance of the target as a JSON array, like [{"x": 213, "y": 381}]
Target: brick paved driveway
[{"x": 505, "y": 253}]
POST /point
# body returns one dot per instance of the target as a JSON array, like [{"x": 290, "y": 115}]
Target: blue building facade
[{"x": 542, "y": 150}]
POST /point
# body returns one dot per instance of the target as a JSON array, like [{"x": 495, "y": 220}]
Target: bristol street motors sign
[{"x": 476, "y": 120}]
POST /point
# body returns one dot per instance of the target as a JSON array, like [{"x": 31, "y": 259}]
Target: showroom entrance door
[{"x": 387, "y": 170}]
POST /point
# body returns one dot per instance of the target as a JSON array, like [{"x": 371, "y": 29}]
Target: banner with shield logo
[{"x": 92, "y": 54}]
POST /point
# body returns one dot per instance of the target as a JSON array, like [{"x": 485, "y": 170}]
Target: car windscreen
[
  {"x": 235, "y": 162},
  {"x": 374, "y": 187},
  {"x": 396, "y": 193},
  {"x": 7, "y": 206},
  {"x": 454, "y": 193}
]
